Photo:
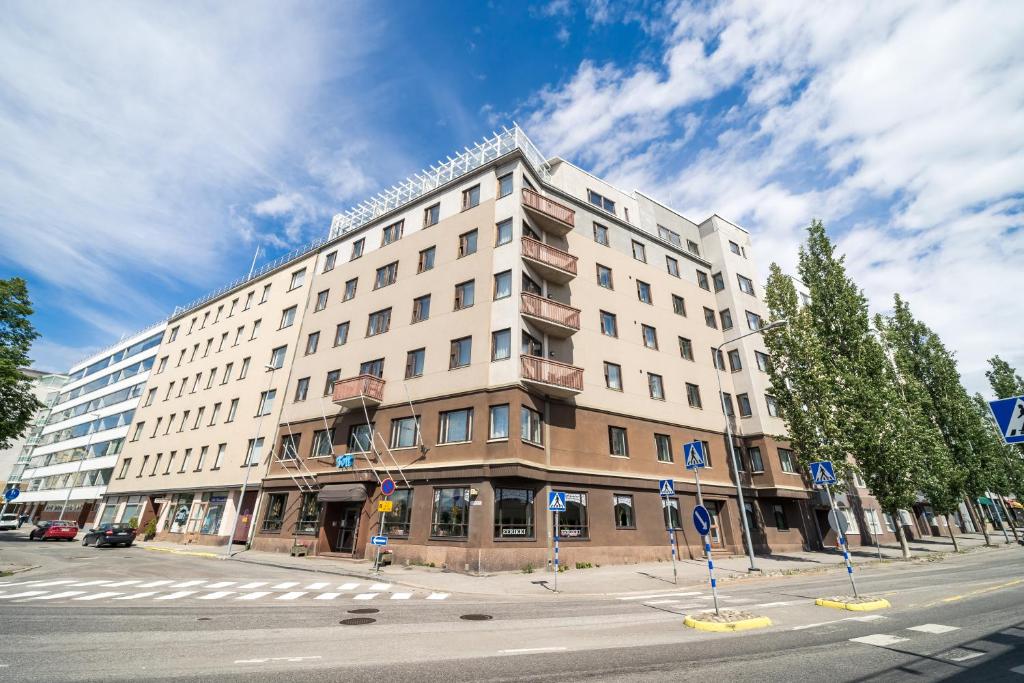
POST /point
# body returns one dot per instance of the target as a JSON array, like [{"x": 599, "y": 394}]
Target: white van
[{"x": 8, "y": 522}]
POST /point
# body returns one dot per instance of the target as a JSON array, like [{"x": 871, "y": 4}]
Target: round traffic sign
[
  {"x": 702, "y": 520},
  {"x": 842, "y": 525},
  {"x": 11, "y": 494},
  {"x": 387, "y": 487}
]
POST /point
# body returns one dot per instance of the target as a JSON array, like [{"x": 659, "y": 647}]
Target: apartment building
[
  {"x": 211, "y": 407},
  {"x": 14, "y": 459},
  {"x": 75, "y": 450}
]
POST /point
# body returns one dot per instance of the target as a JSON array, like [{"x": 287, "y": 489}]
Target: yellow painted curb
[
  {"x": 183, "y": 552},
  {"x": 744, "y": 625},
  {"x": 854, "y": 606}
]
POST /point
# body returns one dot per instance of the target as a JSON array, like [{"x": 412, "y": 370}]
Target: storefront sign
[
  {"x": 571, "y": 533},
  {"x": 513, "y": 532},
  {"x": 218, "y": 499},
  {"x": 384, "y": 506}
]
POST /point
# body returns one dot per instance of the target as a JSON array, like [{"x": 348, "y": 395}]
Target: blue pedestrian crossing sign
[
  {"x": 1009, "y": 415},
  {"x": 693, "y": 455},
  {"x": 556, "y": 501},
  {"x": 822, "y": 472},
  {"x": 666, "y": 487},
  {"x": 702, "y": 520}
]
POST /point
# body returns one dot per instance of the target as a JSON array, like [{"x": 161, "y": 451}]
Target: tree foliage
[{"x": 17, "y": 402}]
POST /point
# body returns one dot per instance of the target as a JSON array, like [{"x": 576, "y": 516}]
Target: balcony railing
[
  {"x": 554, "y": 318},
  {"x": 354, "y": 391},
  {"x": 553, "y": 217},
  {"x": 555, "y": 265},
  {"x": 554, "y": 378}
]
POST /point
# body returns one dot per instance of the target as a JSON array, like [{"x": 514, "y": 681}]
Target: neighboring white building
[
  {"x": 85, "y": 429},
  {"x": 46, "y": 388}
]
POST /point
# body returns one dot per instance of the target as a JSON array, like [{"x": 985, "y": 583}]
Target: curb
[
  {"x": 714, "y": 626},
  {"x": 881, "y": 603},
  {"x": 211, "y": 556}
]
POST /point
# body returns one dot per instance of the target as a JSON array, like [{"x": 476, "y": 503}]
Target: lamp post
[
  {"x": 88, "y": 443},
  {"x": 248, "y": 465},
  {"x": 728, "y": 434}
]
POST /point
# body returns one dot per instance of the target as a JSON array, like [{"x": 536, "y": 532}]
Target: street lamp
[
  {"x": 88, "y": 443},
  {"x": 728, "y": 433},
  {"x": 248, "y": 466}
]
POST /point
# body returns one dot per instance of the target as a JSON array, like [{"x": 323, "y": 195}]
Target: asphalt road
[{"x": 961, "y": 619}]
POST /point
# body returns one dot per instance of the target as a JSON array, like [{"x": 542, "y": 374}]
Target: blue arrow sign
[
  {"x": 702, "y": 520},
  {"x": 1009, "y": 415},
  {"x": 379, "y": 540},
  {"x": 11, "y": 494},
  {"x": 822, "y": 472},
  {"x": 556, "y": 501},
  {"x": 693, "y": 455},
  {"x": 666, "y": 487}
]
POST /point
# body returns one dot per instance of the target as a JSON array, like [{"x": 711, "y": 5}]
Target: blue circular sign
[
  {"x": 702, "y": 520},
  {"x": 387, "y": 487},
  {"x": 11, "y": 494}
]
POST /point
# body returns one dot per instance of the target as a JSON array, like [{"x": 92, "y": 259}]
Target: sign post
[
  {"x": 387, "y": 487},
  {"x": 822, "y": 473},
  {"x": 666, "y": 488},
  {"x": 694, "y": 458},
  {"x": 9, "y": 495},
  {"x": 556, "y": 504}
]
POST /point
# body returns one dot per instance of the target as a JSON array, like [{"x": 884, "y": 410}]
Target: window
[
  {"x": 735, "y": 364},
  {"x": 238, "y": 335},
  {"x": 573, "y": 523},
  {"x": 702, "y": 280},
  {"x": 218, "y": 459},
  {"x": 211, "y": 378},
  {"x": 450, "y": 518},
  {"x": 414, "y": 363},
  {"x": 503, "y": 232},
  {"x": 405, "y": 432},
  {"x": 386, "y": 275},
  {"x": 756, "y": 462},
  {"x": 245, "y": 368},
  {"x": 609, "y": 326},
  {"x": 341, "y": 334},
  {"x": 718, "y": 281},
  {"x": 172, "y": 335},
  {"x": 248, "y": 301},
  {"x": 744, "y": 403},
  {"x": 672, "y": 266},
  {"x": 302, "y": 389},
  {"x": 530, "y": 426},
  {"x": 255, "y": 331},
  {"x": 298, "y": 279},
  {"x": 709, "y": 318},
  {"x": 162, "y": 365},
  {"x": 779, "y": 513},
  {"x": 617, "y": 442},
  {"x": 465, "y": 295},
  {"x": 656, "y": 386},
  {"x": 461, "y": 353},
  {"x": 693, "y": 396},
  {"x": 678, "y": 305},
  {"x": 170, "y": 388},
  {"x": 503, "y": 285},
  {"x": 150, "y": 395},
  {"x": 456, "y": 426},
  {"x": 471, "y": 197},
  {"x": 773, "y": 406},
  {"x": 726, "y": 315},
  {"x": 762, "y": 360},
  {"x": 184, "y": 420},
  {"x": 529, "y": 232},
  {"x": 734, "y": 248},
  {"x": 501, "y": 344},
  {"x": 379, "y": 322},
  {"x": 431, "y": 215},
  {"x": 357, "y": 249},
  {"x": 613, "y": 376},
  {"x": 623, "y": 509},
  {"x": 372, "y": 367},
  {"x": 746, "y": 285},
  {"x": 277, "y": 357},
  {"x": 600, "y": 234},
  {"x": 332, "y": 377},
  {"x": 467, "y": 243},
  {"x": 643, "y": 292},
  {"x": 600, "y": 202},
  {"x": 513, "y": 513},
  {"x": 421, "y": 308},
  {"x": 124, "y": 468},
  {"x": 360, "y": 438},
  {"x": 786, "y": 460},
  {"x": 392, "y": 233},
  {"x": 142, "y": 467},
  {"x": 273, "y": 520},
  {"x": 232, "y": 411},
  {"x": 498, "y": 422},
  {"x": 604, "y": 277},
  {"x": 265, "y": 294},
  {"x": 670, "y": 508},
  {"x": 663, "y": 447},
  {"x": 223, "y": 341},
  {"x": 329, "y": 261},
  {"x": 202, "y": 458},
  {"x": 639, "y": 251},
  {"x": 530, "y": 286},
  {"x": 266, "y": 402},
  {"x": 669, "y": 236},
  {"x": 727, "y": 405},
  {"x": 290, "y": 446},
  {"x": 426, "y": 261},
  {"x": 650, "y": 336},
  {"x": 323, "y": 443},
  {"x": 753, "y": 321},
  {"x": 350, "y": 289},
  {"x": 692, "y": 247},
  {"x": 686, "y": 348},
  {"x": 505, "y": 185}
]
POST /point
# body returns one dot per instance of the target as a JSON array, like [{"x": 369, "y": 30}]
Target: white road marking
[
  {"x": 136, "y": 596},
  {"x": 264, "y": 660},
  {"x": 154, "y": 584},
  {"x": 366, "y": 596},
  {"x": 661, "y": 595},
  {"x": 221, "y": 584},
  {"x": 92, "y": 583},
  {"x": 933, "y": 628},
  {"x": 401, "y": 596},
  {"x": 98, "y": 596},
  {"x": 24, "y": 594},
  {"x": 124, "y": 583},
  {"x": 316, "y": 586},
  {"x": 55, "y": 583},
  {"x": 528, "y": 650},
  {"x": 174, "y": 596},
  {"x": 291, "y": 596},
  {"x": 253, "y": 584},
  {"x": 186, "y": 584},
  {"x": 437, "y": 596},
  {"x": 379, "y": 587},
  {"x": 1017, "y": 670},
  {"x": 286, "y": 584},
  {"x": 879, "y": 640},
  {"x": 216, "y": 595},
  {"x": 57, "y": 596},
  {"x": 327, "y": 596},
  {"x": 661, "y": 602},
  {"x": 253, "y": 596},
  {"x": 966, "y": 656},
  {"x": 866, "y": 617},
  {"x": 348, "y": 586}
]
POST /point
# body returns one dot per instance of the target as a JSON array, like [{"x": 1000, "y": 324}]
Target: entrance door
[
  {"x": 245, "y": 518},
  {"x": 348, "y": 530},
  {"x": 717, "y": 537}
]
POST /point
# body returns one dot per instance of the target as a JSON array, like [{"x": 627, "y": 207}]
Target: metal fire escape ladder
[{"x": 299, "y": 473}]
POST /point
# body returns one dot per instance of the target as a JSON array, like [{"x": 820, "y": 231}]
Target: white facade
[{"x": 46, "y": 388}]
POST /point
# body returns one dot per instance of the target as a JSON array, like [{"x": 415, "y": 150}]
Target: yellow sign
[{"x": 384, "y": 506}]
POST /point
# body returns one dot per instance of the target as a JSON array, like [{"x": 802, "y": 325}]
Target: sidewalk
[{"x": 596, "y": 581}]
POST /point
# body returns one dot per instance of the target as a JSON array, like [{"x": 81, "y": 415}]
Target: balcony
[
  {"x": 553, "y": 264},
  {"x": 355, "y": 392},
  {"x": 551, "y": 216},
  {"x": 553, "y": 318},
  {"x": 551, "y": 377}
]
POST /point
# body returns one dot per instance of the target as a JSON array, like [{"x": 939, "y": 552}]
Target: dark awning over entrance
[{"x": 334, "y": 493}]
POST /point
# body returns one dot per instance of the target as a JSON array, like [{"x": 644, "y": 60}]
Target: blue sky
[{"x": 149, "y": 149}]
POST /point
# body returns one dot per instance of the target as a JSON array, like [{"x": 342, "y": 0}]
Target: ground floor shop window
[
  {"x": 109, "y": 510},
  {"x": 451, "y": 513},
  {"x": 624, "y": 518},
  {"x": 513, "y": 513},
  {"x": 751, "y": 516},
  {"x": 179, "y": 514},
  {"x": 131, "y": 511},
  {"x": 573, "y": 523},
  {"x": 396, "y": 522},
  {"x": 309, "y": 515},
  {"x": 274, "y": 517},
  {"x": 670, "y": 506},
  {"x": 214, "y": 513},
  {"x": 779, "y": 513}
]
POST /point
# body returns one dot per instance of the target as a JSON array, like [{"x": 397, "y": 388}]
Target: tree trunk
[
  {"x": 898, "y": 525},
  {"x": 1007, "y": 523},
  {"x": 952, "y": 535},
  {"x": 978, "y": 519}
]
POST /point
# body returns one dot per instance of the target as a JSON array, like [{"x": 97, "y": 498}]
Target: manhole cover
[
  {"x": 476, "y": 617},
  {"x": 357, "y": 621},
  {"x": 364, "y": 610}
]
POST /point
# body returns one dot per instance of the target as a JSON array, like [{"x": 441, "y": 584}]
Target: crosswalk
[
  {"x": 921, "y": 637},
  {"x": 692, "y": 600},
  {"x": 167, "y": 590}
]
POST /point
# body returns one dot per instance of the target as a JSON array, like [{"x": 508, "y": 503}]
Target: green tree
[
  {"x": 17, "y": 402},
  {"x": 1004, "y": 379}
]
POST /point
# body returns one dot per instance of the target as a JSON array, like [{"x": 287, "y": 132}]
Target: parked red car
[{"x": 54, "y": 529}]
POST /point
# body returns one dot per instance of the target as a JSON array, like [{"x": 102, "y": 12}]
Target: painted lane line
[
  {"x": 662, "y": 602},
  {"x": 366, "y": 596},
  {"x": 221, "y": 584},
  {"x": 174, "y": 596},
  {"x": 866, "y": 617},
  {"x": 89, "y": 583},
  {"x": 379, "y": 587},
  {"x": 98, "y": 596},
  {"x": 348, "y": 586},
  {"x": 136, "y": 596},
  {"x": 24, "y": 594},
  {"x": 154, "y": 584},
  {"x": 253, "y": 596},
  {"x": 216, "y": 595},
  {"x": 1017, "y": 670},
  {"x": 964, "y": 657},
  {"x": 879, "y": 640},
  {"x": 933, "y": 628},
  {"x": 124, "y": 583},
  {"x": 401, "y": 596},
  {"x": 327, "y": 596},
  {"x": 319, "y": 585},
  {"x": 284, "y": 585},
  {"x": 529, "y": 650},
  {"x": 291, "y": 596},
  {"x": 186, "y": 584},
  {"x": 264, "y": 660},
  {"x": 57, "y": 596},
  {"x": 54, "y": 583},
  {"x": 661, "y": 595},
  {"x": 253, "y": 584},
  {"x": 437, "y": 596}
]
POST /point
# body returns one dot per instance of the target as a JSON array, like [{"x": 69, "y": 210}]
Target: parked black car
[{"x": 108, "y": 533}]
